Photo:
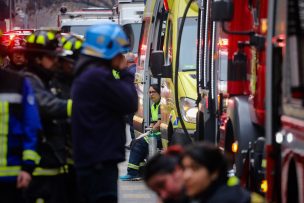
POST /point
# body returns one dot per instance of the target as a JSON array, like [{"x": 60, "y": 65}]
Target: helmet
[
  {"x": 105, "y": 41},
  {"x": 71, "y": 45},
  {"x": 17, "y": 44},
  {"x": 42, "y": 41}
]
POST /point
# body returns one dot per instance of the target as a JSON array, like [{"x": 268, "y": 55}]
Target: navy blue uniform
[{"x": 100, "y": 101}]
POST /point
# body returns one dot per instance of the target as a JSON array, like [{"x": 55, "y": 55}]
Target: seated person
[{"x": 140, "y": 147}]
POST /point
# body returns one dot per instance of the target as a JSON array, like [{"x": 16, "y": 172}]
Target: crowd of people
[{"x": 64, "y": 104}]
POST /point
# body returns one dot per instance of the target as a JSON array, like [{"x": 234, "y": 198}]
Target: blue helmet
[{"x": 105, "y": 41}]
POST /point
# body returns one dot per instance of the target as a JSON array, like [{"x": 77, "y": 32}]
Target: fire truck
[
  {"x": 231, "y": 83},
  {"x": 285, "y": 102},
  {"x": 252, "y": 89}
]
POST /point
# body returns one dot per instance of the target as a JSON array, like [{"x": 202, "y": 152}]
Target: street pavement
[{"x": 133, "y": 191}]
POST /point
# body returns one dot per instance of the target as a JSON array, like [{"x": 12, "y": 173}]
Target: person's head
[
  {"x": 106, "y": 42},
  {"x": 204, "y": 164},
  {"x": 164, "y": 175},
  {"x": 71, "y": 45},
  {"x": 43, "y": 49},
  {"x": 154, "y": 92},
  {"x": 16, "y": 51}
]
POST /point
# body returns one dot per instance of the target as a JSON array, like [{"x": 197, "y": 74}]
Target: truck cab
[{"x": 78, "y": 21}]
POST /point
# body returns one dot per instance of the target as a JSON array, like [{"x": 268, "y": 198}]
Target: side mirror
[
  {"x": 156, "y": 63},
  {"x": 222, "y": 10}
]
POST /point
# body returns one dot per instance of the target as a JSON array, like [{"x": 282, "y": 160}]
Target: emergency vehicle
[
  {"x": 78, "y": 21},
  {"x": 130, "y": 15},
  {"x": 232, "y": 84},
  {"x": 159, "y": 62},
  {"x": 285, "y": 102}
]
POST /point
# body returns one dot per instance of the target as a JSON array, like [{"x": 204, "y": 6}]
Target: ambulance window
[
  {"x": 188, "y": 47},
  {"x": 295, "y": 50}
]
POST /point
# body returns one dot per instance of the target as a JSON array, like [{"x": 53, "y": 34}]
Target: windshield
[
  {"x": 187, "y": 59},
  {"x": 76, "y": 29}
]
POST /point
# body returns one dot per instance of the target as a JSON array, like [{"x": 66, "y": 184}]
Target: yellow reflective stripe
[
  {"x": 116, "y": 74},
  {"x": 68, "y": 45},
  {"x": 63, "y": 39},
  {"x": 77, "y": 44},
  {"x": 146, "y": 139},
  {"x": 31, "y": 38},
  {"x": 133, "y": 166},
  {"x": 47, "y": 171},
  {"x": 50, "y": 35},
  {"x": 69, "y": 108},
  {"x": 40, "y": 40},
  {"x": 232, "y": 181},
  {"x": 4, "y": 118},
  {"x": 264, "y": 163},
  {"x": 31, "y": 155},
  {"x": 9, "y": 171},
  {"x": 39, "y": 200}
]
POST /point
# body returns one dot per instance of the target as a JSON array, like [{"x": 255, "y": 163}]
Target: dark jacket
[
  {"x": 100, "y": 103},
  {"x": 221, "y": 193},
  {"x": 52, "y": 140}
]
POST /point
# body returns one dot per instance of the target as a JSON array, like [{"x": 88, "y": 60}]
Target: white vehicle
[
  {"x": 130, "y": 14},
  {"x": 78, "y": 21}
]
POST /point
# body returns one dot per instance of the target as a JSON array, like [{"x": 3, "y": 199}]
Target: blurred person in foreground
[
  {"x": 164, "y": 175},
  {"x": 205, "y": 176}
]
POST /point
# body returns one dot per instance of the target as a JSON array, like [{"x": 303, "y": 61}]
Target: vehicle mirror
[
  {"x": 222, "y": 10},
  {"x": 156, "y": 63}
]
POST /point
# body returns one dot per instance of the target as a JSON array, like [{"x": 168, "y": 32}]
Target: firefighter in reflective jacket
[
  {"x": 19, "y": 125},
  {"x": 62, "y": 83},
  {"x": 140, "y": 147},
  {"x": 48, "y": 183}
]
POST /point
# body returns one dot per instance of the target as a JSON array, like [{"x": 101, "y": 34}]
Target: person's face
[
  {"x": 18, "y": 58},
  {"x": 154, "y": 96},
  {"x": 197, "y": 177},
  {"x": 167, "y": 186},
  {"x": 119, "y": 62},
  {"x": 48, "y": 62}
]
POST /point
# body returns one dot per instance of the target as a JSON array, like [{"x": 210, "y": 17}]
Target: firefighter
[
  {"x": 103, "y": 92},
  {"x": 48, "y": 183},
  {"x": 16, "y": 54},
  {"x": 19, "y": 125},
  {"x": 62, "y": 83},
  {"x": 140, "y": 147}
]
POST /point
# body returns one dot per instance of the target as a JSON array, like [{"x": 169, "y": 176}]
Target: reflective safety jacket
[
  {"x": 19, "y": 125},
  {"x": 155, "y": 114}
]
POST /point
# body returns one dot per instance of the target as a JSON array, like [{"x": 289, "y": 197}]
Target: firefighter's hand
[{"x": 23, "y": 179}]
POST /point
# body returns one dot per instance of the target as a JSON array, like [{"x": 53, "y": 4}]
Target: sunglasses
[{"x": 152, "y": 92}]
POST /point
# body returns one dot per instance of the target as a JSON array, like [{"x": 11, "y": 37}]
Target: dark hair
[
  {"x": 163, "y": 163},
  {"x": 209, "y": 156},
  {"x": 156, "y": 87}
]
